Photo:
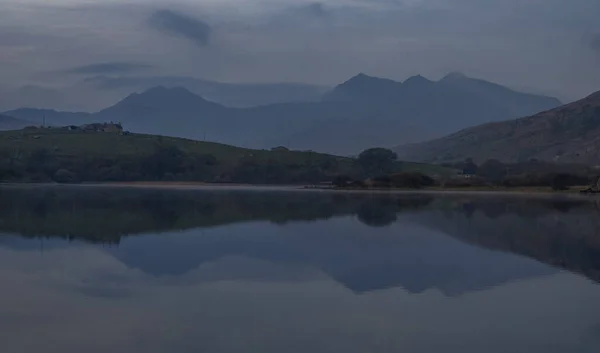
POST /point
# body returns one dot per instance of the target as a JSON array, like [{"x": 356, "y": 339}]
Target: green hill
[{"x": 69, "y": 156}]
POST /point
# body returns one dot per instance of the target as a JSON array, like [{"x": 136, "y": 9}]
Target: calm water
[{"x": 101, "y": 270}]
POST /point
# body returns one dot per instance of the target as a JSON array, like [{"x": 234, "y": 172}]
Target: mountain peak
[
  {"x": 161, "y": 97},
  {"x": 363, "y": 78},
  {"x": 456, "y": 75},
  {"x": 165, "y": 94},
  {"x": 418, "y": 79},
  {"x": 362, "y": 87},
  {"x": 162, "y": 90}
]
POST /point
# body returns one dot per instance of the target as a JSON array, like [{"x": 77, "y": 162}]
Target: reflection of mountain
[
  {"x": 386, "y": 251},
  {"x": 360, "y": 258}
]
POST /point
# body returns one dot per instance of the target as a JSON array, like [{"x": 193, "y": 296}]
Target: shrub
[
  {"x": 382, "y": 181},
  {"x": 413, "y": 180},
  {"x": 65, "y": 176},
  {"x": 377, "y": 160},
  {"x": 464, "y": 182},
  {"x": 341, "y": 181}
]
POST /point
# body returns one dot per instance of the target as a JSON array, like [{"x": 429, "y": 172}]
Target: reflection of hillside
[
  {"x": 105, "y": 215},
  {"x": 560, "y": 233},
  {"x": 564, "y": 234}
]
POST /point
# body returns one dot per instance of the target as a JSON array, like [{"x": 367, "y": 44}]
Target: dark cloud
[
  {"x": 317, "y": 9},
  {"x": 109, "y": 68},
  {"x": 179, "y": 25}
]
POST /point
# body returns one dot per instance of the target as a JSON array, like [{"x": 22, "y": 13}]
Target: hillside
[
  {"x": 10, "y": 123},
  {"x": 568, "y": 134},
  {"x": 38, "y": 155},
  {"x": 560, "y": 233},
  {"x": 360, "y": 113}
]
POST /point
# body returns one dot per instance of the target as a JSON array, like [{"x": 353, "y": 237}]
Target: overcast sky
[{"x": 548, "y": 46}]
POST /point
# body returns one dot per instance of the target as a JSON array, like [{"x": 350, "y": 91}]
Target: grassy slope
[{"x": 73, "y": 144}]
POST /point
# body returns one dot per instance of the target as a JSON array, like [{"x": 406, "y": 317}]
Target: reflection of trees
[
  {"x": 376, "y": 214},
  {"x": 560, "y": 232},
  {"x": 381, "y": 212},
  {"x": 104, "y": 215}
]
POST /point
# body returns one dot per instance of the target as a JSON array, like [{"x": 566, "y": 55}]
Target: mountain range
[
  {"x": 235, "y": 95},
  {"x": 360, "y": 113},
  {"x": 570, "y": 133},
  {"x": 10, "y": 123}
]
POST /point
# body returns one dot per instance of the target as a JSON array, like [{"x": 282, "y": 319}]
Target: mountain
[
  {"x": 499, "y": 96},
  {"x": 454, "y": 101},
  {"x": 160, "y": 106},
  {"x": 11, "y": 123},
  {"x": 568, "y": 134},
  {"x": 363, "y": 88},
  {"x": 360, "y": 113},
  {"x": 238, "y": 95},
  {"x": 52, "y": 117},
  {"x": 179, "y": 112}
]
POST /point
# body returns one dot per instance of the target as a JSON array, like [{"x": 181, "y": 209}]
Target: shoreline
[{"x": 538, "y": 192}]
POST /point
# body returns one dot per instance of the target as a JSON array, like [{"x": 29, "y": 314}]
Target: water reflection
[{"x": 126, "y": 270}]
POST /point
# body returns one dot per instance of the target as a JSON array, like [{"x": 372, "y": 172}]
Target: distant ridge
[
  {"x": 10, "y": 123},
  {"x": 236, "y": 95},
  {"x": 362, "y": 112},
  {"x": 568, "y": 134},
  {"x": 52, "y": 117}
]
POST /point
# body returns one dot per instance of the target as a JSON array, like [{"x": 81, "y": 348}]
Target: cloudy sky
[{"x": 543, "y": 46}]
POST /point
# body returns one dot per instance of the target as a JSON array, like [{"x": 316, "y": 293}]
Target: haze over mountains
[
  {"x": 10, "y": 123},
  {"x": 360, "y": 113},
  {"x": 570, "y": 133}
]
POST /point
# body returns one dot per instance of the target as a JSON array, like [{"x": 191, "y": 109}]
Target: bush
[
  {"x": 382, "y": 181},
  {"x": 341, "y": 181},
  {"x": 526, "y": 180},
  {"x": 563, "y": 181},
  {"x": 560, "y": 182},
  {"x": 412, "y": 180},
  {"x": 377, "y": 160},
  {"x": 359, "y": 184},
  {"x": 65, "y": 176},
  {"x": 465, "y": 182},
  {"x": 492, "y": 169},
  {"x": 557, "y": 181}
]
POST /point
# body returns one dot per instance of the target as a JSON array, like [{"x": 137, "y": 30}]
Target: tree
[
  {"x": 560, "y": 182},
  {"x": 492, "y": 169},
  {"x": 165, "y": 159},
  {"x": 469, "y": 167},
  {"x": 65, "y": 176},
  {"x": 412, "y": 180},
  {"x": 376, "y": 161}
]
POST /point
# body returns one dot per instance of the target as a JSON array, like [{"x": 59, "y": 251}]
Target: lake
[{"x": 99, "y": 269}]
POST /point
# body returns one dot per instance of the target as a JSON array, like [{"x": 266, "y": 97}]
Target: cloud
[
  {"x": 108, "y": 68},
  {"x": 317, "y": 9},
  {"x": 595, "y": 42},
  {"x": 511, "y": 42},
  {"x": 179, "y": 25}
]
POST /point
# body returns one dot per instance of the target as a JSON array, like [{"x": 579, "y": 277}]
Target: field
[{"x": 94, "y": 155}]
